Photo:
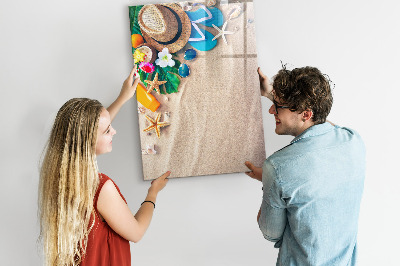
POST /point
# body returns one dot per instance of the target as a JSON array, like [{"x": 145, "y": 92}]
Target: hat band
[{"x": 177, "y": 33}]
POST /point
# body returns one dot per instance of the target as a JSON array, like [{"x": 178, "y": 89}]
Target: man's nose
[{"x": 272, "y": 110}]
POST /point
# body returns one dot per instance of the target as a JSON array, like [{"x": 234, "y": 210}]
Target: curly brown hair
[{"x": 304, "y": 88}]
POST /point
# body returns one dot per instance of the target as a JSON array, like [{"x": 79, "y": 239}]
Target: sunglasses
[{"x": 278, "y": 106}]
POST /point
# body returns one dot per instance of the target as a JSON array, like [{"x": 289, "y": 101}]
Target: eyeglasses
[{"x": 278, "y": 106}]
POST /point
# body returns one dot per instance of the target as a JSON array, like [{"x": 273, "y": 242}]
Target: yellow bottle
[{"x": 146, "y": 99}]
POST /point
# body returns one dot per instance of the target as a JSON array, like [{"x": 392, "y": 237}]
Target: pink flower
[{"x": 146, "y": 67}]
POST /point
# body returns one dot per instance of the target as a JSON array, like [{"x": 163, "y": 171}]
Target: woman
[{"x": 84, "y": 219}]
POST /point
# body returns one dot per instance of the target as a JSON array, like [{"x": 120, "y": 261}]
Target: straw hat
[{"x": 165, "y": 25}]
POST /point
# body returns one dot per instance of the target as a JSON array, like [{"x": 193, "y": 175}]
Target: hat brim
[{"x": 184, "y": 34}]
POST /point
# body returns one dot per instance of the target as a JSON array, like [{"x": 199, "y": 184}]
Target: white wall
[{"x": 51, "y": 51}]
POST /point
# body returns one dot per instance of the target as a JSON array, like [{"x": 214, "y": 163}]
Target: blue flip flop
[
  {"x": 201, "y": 39},
  {"x": 204, "y": 43},
  {"x": 217, "y": 17}
]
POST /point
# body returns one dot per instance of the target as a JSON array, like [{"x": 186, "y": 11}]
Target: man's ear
[{"x": 307, "y": 115}]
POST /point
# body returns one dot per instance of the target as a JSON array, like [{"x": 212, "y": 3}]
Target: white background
[{"x": 51, "y": 51}]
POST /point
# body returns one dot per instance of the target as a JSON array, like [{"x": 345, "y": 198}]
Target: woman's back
[{"x": 105, "y": 246}]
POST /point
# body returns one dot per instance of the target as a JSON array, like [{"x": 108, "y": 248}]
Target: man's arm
[
  {"x": 272, "y": 221},
  {"x": 272, "y": 217}
]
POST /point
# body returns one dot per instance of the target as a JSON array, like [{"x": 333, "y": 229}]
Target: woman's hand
[
  {"x": 158, "y": 184},
  {"x": 127, "y": 92},
  {"x": 265, "y": 87},
  {"x": 129, "y": 86}
]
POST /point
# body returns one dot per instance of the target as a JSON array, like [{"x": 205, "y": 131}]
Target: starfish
[
  {"x": 154, "y": 84},
  {"x": 222, "y": 32},
  {"x": 155, "y": 124}
]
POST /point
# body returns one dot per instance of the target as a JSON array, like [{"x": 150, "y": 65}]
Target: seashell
[
  {"x": 186, "y": 6},
  {"x": 190, "y": 54},
  {"x": 166, "y": 116},
  {"x": 211, "y": 2},
  {"x": 141, "y": 110},
  {"x": 166, "y": 98},
  {"x": 150, "y": 149},
  {"x": 249, "y": 22},
  {"x": 234, "y": 12},
  {"x": 184, "y": 70}
]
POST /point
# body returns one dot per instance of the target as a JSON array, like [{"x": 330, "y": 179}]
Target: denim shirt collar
[{"x": 314, "y": 131}]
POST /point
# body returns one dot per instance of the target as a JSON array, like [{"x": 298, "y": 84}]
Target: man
[{"x": 312, "y": 187}]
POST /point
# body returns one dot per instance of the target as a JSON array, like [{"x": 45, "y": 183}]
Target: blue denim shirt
[{"x": 311, "y": 197}]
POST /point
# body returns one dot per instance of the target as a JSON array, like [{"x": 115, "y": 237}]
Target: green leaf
[
  {"x": 134, "y": 24},
  {"x": 171, "y": 69},
  {"x": 177, "y": 63},
  {"x": 167, "y": 74},
  {"x": 143, "y": 76},
  {"x": 133, "y": 17},
  {"x": 172, "y": 83},
  {"x": 160, "y": 72}
]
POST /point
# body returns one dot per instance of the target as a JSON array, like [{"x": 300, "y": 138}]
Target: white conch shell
[
  {"x": 234, "y": 12},
  {"x": 150, "y": 149}
]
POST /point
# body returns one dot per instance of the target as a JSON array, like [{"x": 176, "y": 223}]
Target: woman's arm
[
  {"x": 119, "y": 217},
  {"x": 127, "y": 92}
]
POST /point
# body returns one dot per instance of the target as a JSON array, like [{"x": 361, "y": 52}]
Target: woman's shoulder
[
  {"x": 109, "y": 184},
  {"x": 103, "y": 179},
  {"x": 103, "y": 176}
]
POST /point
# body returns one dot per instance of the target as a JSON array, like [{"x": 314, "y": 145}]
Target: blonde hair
[{"x": 68, "y": 182}]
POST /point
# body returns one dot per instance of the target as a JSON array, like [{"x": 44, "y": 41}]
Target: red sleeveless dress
[{"x": 105, "y": 247}]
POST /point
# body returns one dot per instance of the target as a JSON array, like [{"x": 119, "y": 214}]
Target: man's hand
[
  {"x": 265, "y": 87},
  {"x": 256, "y": 172}
]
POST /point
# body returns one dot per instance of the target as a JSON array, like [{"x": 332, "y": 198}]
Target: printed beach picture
[{"x": 199, "y": 103}]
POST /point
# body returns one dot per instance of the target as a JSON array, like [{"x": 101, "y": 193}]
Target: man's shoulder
[
  {"x": 283, "y": 157},
  {"x": 347, "y": 130},
  {"x": 348, "y": 137},
  {"x": 300, "y": 147}
]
